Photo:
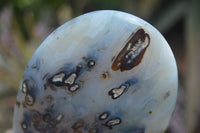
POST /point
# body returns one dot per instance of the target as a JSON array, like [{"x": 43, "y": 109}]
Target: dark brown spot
[
  {"x": 132, "y": 54},
  {"x": 150, "y": 112},
  {"x": 104, "y": 76},
  {"x": 84, "y": 58}
]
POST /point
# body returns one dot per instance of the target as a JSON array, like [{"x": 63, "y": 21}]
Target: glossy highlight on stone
[{"x": 102, "y": 72}]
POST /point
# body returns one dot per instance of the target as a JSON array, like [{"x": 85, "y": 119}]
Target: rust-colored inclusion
[{"x": 133, "y": 52}]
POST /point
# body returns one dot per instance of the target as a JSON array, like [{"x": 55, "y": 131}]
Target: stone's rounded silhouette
[{"x": 102, "y": 72}]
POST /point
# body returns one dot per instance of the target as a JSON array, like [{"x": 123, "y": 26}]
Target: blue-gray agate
[{"x": 102, "y": 72}]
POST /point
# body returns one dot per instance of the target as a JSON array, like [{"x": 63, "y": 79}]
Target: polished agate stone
[{"x": 102, "y": 72}]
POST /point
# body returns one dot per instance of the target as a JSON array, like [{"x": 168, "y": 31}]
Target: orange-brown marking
[
  {"x": 133, "y": 52},
  {"x": 104, "y": 76}
]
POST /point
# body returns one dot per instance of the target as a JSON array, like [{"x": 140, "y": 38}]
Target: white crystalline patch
[
  {"x": 74, "y": 87},
  {"x": 118, "y": 91},
  {"x": 91, "y": 63},
  {"x": 104, "y": 116},
  {"x": 59, "y": 117},
  {"x": 24, "y": 88},
  {"x": 70, "y": 80},
  {"x": 58, "y": 78},
  {"x": 113, "y": 122}
]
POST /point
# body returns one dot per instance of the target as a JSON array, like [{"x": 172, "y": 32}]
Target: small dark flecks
[
  {"x": 133, "y": 52},
  {"x": 150, "y": 112},
  {"x": 77, "y": 125},
  {"x": 84, "y": 58},
  {"x": 167, "y": 94},
  {"x": 113, "y": 122},
  {"x": 36, "y": 65},
  {"x": 104, "y": 115}
]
